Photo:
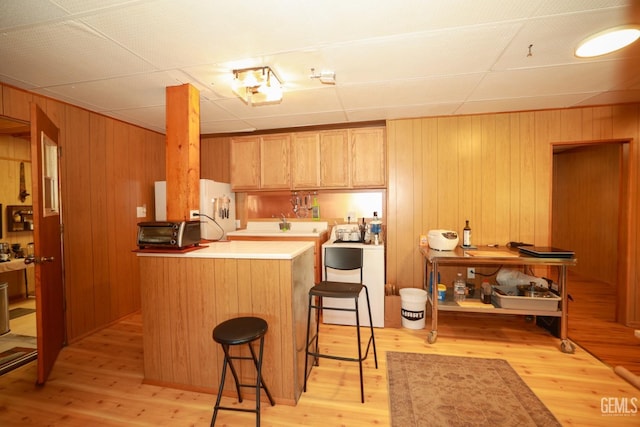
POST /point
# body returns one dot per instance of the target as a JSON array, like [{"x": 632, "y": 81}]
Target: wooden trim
[{"x": 336, "y": 126}]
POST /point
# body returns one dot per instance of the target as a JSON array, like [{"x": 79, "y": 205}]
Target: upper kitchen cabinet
[
  {"x": 368, "y": 160},
  {"x": 334, "y": 159},
  {"x": 245, "y": 163},
  {"x": 325, "y": 159},
  {"x": 305, "y": 160},
  {"x": 275, "y": 158},
  {"x": 261, "y": 162}
]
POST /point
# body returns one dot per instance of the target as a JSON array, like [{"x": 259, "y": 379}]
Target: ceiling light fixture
[
  {"x": 257, "y": 86},
  {"x": 325, "y": 77},
  {"x": 607, "y": 41}
]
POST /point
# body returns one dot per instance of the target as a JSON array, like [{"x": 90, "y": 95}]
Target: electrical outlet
[
  {"x": 471, "y": 273},
  {"x": 193, "y": 214},
  {"x": 141, "y": 211}
]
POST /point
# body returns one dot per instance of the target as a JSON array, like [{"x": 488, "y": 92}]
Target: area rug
[
  {"x": 14, "y": 313},
  {"x": 437, "y": 390},
  {"x": 16, "y": 350}
]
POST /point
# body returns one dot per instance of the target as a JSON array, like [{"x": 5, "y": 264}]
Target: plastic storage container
[
  {"x": 414, "y": 303},
  {"x": 513, "y": 301},
  {"x": 459, "y": 288}
]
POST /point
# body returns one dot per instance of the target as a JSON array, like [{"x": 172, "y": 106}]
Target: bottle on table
[
  {"x": 466, "y": 235},
  {"x": 459, "y": 288},
  {"x": 315, "y": 208},
  {"x": 376, "y": 229}
]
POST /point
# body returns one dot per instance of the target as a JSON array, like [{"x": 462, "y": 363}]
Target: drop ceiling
[{"x": 409, "y": 58}]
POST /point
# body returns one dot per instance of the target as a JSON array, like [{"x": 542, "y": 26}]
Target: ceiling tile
[
  {"x": 392, "y": 60},
  {"x": 568, "y": 79},
  {"x": 521, "y": 103}
]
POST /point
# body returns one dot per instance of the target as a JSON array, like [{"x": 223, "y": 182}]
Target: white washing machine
[{"x": 373, "y": 276}]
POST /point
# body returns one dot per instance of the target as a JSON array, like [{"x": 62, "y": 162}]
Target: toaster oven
[{"x": 168, "y": 234}]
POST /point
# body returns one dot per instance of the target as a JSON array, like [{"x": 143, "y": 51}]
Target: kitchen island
[{"x": 185, "y": 294}]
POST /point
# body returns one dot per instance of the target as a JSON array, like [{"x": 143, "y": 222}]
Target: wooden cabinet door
[
  {"x": 305, "y": 160},
  {"x": 275, "y": 158},
  {"x": 368, "y": 162},
  {"x": 245, "y": 163},
  {"x": 334, "y": 163}
]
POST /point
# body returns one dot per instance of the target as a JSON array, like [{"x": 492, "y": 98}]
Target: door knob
[{"x": 37, "y": 260}]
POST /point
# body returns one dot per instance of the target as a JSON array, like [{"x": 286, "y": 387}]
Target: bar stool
[
  {"x": 238, "y": 331},
  {"x": 340, "y": 259}
]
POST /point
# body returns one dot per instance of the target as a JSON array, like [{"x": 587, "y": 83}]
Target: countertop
[
  {"x": 14, "y": 264},
  {"x": 272, "y": 229},
  {"x": 239, "y": 250}
]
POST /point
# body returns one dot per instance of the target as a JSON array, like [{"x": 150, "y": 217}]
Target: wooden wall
[
  {"x": 215, "y": 158},
  {"x": 496, "y": 171},
  {"x": 107, "y": 169},
  {"x": 493, "y": 169}
]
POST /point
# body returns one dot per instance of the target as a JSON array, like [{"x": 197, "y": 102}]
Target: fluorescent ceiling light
[{"x": 607, "y": 41}]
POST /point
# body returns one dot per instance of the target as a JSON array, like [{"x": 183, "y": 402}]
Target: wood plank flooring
[
  {"x": 592, "y": 324},
  {"x": 97, "y": 381}
]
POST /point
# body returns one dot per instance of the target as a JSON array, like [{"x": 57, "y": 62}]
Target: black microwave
[{"x": 168, "y": 234}]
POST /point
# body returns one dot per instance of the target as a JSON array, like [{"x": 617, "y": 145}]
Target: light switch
[{"x": 141, "y": 211}]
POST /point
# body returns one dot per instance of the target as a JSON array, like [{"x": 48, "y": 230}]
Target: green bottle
[{"x": 315, "y": 209}]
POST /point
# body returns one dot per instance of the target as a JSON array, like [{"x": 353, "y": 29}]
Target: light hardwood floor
[
  {"x": 98, "y": 380},
  {"x": 592, "y": 324}
]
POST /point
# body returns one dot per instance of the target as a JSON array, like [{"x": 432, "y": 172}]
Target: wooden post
[{"x": 183, "y": 151}]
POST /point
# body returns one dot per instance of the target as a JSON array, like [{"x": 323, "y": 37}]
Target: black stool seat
[
  {"x": 239, "y": 331},
  {"x": 336, "y": 290}
]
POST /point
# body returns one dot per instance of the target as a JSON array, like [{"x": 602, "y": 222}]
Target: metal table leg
[
  {"x": 566, "y": 346},
  {"x": 433, "y": 334}
]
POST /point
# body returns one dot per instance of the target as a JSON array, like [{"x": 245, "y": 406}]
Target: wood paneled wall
[
  {"x": 107, "y": 169},
  {"x": 215, "y": 158},
  {"x": 496, "y": 171}
]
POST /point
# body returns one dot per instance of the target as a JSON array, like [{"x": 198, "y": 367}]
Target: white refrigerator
[{"x": 217, "y": 202}]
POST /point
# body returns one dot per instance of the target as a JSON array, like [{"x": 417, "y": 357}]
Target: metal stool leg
[
  {"x": 257, "y": 362},
  {"x": 228, "y": 358},
  {"x": 220, "y": 388},
  {"x": 306, "y": 348},
  {"x": 359, "y": 350},
  {"x": 372, "y": 340},
  {"x": 259, "y": 381}
]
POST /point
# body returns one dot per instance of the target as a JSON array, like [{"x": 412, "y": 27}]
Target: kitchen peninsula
[{"x": 184, "y": 295}]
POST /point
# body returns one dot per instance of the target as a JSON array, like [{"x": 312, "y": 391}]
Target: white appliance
[
  {"x": 442, "y": 240},
  {"x": 213, "y": 204},
  {"x": 373, "y": 276}
]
